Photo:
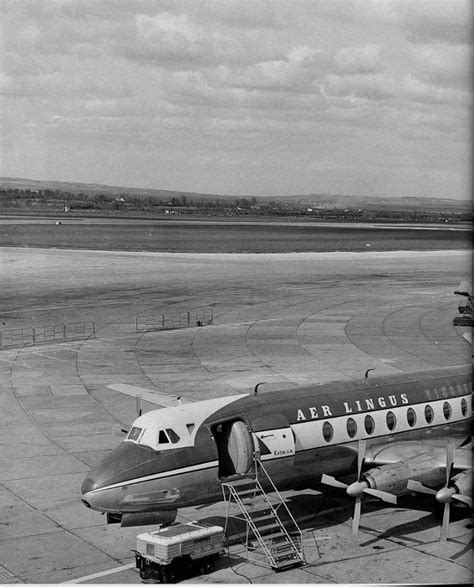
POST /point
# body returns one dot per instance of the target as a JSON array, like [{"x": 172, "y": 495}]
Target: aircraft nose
[{"x": 127, "y": 461}]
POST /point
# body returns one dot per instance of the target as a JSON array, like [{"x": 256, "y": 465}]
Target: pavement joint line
[
  {"x": 101, "y": 574},
  {"x": 52, "y": 358}
]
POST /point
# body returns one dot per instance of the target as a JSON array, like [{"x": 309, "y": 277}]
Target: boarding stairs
[{"x": 268, "y": 540}]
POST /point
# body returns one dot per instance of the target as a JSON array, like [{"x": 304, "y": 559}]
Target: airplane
[{"x": 399, "y": 434}]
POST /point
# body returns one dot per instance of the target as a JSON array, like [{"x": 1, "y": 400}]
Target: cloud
[
  {"x": 435, "y": 21},
  {"x": 369, "y": 87},
  {"x": 364, "y": 59},
  {"x": 441, "y": 65},
  {"x": 254, "y": 83}
]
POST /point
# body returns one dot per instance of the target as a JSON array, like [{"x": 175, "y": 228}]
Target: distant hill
[
  {"x": 93, "y": 188},
  {"x": 314, "y": 201}
]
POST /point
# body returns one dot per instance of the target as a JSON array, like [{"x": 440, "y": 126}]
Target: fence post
[
  {"x": 34, "y": 335},
  {"x": 189, "y": 318},
  {"x": 93, "y": 329},
  {"x": 64, "y": 332}
]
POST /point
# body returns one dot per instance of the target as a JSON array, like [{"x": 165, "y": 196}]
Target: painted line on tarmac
[{"x": 101, "y": 574}]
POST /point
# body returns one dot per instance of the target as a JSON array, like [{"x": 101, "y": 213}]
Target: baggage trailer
[{"x": 177, "y": 552}]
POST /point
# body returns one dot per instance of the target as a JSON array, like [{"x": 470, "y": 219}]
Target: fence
[
  {"x": 44, "y": 334},
  {"x": 172, "y": 320}
]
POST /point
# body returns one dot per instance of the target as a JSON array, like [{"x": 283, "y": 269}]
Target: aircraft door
[{"x": 274, "y": 437}]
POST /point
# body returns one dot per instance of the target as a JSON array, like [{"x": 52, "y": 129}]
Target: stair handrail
[{"x": 258, "y": 464}]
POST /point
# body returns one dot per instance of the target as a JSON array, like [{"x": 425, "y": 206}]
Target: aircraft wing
[
  {"x": 412, "y": 450},
  {"x": 155, "y": 397}
]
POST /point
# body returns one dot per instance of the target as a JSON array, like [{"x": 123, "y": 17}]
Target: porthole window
[
  {"x": 369, "y": 424},
  {"x": 411, "y": 417},
  {"x": 447, "y": 411},
  {"x": 328, "y": 432},
  {"x": 463, "y": 407},
  {"x": 391, "y": 420},
  {"x": 429, "y": 414},
  {"x": 351, "y": 427}
]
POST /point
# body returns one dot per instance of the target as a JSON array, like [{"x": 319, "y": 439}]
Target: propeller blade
[
  {"x": 445, "y": 524},
  {"x": 329, "y": 480},
  {"x": 383, "y": 495},
  {"x": 356, "y": 516},
  {"x": 449, "y": 463},
  {"x": 138, "y": 402},
  {"x": 419, "y": 487},
  {"x": 463, "y": 499},
  {"x": 361, "y": 457}
]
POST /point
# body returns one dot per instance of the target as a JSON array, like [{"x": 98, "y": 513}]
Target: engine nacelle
[
  {"x": 463, "y": 483},
  {"x": 393, "y": 478}
]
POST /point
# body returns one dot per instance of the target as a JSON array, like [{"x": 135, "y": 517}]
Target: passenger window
[
  {"x": 391, "y": 420},
  {"x": 447, "y": 411},
  {"x": 328, "y": 432},
  {"x": 463, "y": 407},
  {"x": 172, "y": 435},
  {"x": 162, "y": 438},
  {"x": 429, "y": 414},
  {"x": 351, "y": 427},
  {"x": 411, "y": 417},
  {"x": 369, "y": 424},
  {"x": 134, "y": 433}
]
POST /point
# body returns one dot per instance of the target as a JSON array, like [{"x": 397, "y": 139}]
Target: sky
[{"x": 244, "y": 97}]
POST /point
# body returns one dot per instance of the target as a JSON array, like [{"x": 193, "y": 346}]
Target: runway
[{"x": 282, "y": 319}]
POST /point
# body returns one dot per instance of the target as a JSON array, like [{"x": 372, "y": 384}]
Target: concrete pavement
[{"x": 286, "y": 320}]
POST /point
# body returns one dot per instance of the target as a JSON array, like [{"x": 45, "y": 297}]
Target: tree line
[{"x": 55, "y": 200}]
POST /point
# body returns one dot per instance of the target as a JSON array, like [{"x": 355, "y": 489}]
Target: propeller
[
  {"x": 359, "y": 487},
  {"x": 445, "y": 495}
]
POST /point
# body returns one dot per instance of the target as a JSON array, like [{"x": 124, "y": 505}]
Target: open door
[{"x": 235, "y": 447}]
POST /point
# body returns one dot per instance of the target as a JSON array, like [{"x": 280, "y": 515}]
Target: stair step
[
  {"x": 268, "y": 527},
  {"x": 260, "y": 518},
  {"x": 283, "y": 547},
  {"x": 280, "y": 565},
  {"x": 258, "y": 500},
  {"x": 244, "y": 492},
  {"x": 241, "y": 482},
  {"x": 277, "y": 535},
  {"x": 288, "y": 553}
]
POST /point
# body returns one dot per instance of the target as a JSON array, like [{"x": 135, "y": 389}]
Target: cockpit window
[
  {"x": 134, "y": 433},
  {"x": 167, "y": 436},
  {"x": 173, "y": 436},
  {"x": 162, "y": 437}
]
